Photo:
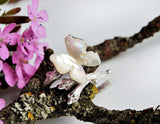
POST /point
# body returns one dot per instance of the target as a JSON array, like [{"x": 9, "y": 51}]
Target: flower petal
[
  {"x": 10, "y": 75},
  {"x": 30, "y": 13},
  {"x": 30, "y": 46},
  {"x": 0, "y": 33},
  {"x": 37, "y": 62},
  {"x": 35, "y": 4},
  {"x": 29, "y": 69},
  {"x": 2, "y": 104},
  {"x": 24, "y": 50},
  {"x": 38, "y": 29},
  {"x": 29, "y": 56},
  {"x": 40, "y": 49},
  {"x": 8, "y": 29},
  {"x": 12, "y": 38},
  {"x": 15, "y": 58},
  {"x": 42, "y": 16},
  {"x": 41, "y": 31},
  {"x": 34, "y": 26},
  {"x": 4, "y": 52},
  {"x": 1, "y": 122},
  {"x": 1, "y": 65},
  {"x": 29, "y": 35},
  {"x": 21, "y": 83},
  {"x": 19, "y": 71}
]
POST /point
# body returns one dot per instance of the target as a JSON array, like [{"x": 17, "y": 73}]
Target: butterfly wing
[
  {"x": 62, "y": 62},
  {"x": 77, "y": 49},
  {"x": 65, "y": 63}
]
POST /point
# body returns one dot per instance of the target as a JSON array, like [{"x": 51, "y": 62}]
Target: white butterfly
[{"x": 72, "y": 64}]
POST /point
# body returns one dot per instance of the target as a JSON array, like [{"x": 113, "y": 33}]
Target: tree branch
[
  {"x": 37, "y": 102},
  {"x": 112, "y": 47}
]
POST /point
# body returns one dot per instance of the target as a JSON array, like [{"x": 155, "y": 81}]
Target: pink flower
[
  {"x": 23, "y": 69},
  {"x": 40, "y": 53},
  {"x": 10, "y": 75},
  {"x": 1, "y": 122},
  {"x": 26, "y": 41},
  {"x": 6, "y": 38},
  {"x": 36, "y": 18},
  {"x": 2, "y": 104},
  {"x": 30, "y": 44},
  {"x": 1, "y": 65}
]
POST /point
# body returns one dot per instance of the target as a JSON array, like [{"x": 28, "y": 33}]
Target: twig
[
  {"x": 112, "y": 47},
  {"x": 14, "y": 19}
]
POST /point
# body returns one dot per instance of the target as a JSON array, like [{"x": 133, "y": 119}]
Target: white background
[{"x": 136, "y": 71}]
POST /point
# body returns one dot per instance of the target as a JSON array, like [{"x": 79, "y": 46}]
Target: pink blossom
[
  {"x": 36, "y": 18},
  {"x": 27, "y": 41},
  {"x": 40, "y": 53},
  {"x": 30, "y": 44},
  {"x": 6, "y": 38},
  {"x": 10, "y": 75},
  {"x": 23, "y": 69},
  {"x": 1, "y": 122},
  {"x": 2, "y": 104},
  {"x": 1, "y": 65}
]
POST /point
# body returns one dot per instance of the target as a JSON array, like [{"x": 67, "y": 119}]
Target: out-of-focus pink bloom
[
  {"x": 1, "y": 65},
  {"x": 23, "y": 69},
  {"x": 2, "y": 104},
  {"x": 10, "y": 75},
  {"x": 1, "y": 122},
  {"x": 36, "y": 18},
  {"x": 6, "y": 38}
]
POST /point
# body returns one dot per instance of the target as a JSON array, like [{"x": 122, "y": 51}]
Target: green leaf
[{"x": 3, "y": 1}]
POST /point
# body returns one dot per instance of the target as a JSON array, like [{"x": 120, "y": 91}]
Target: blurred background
[{"x": 136, "y": 71}]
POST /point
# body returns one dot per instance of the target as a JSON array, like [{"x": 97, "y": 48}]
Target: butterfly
[{"x": 72, "y": 63}]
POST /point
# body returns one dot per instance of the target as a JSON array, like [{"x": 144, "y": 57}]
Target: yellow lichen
[
  {"x": 29, "y": 94},
  {"x": 94, "y": 92},
  {"x": 52, "y": 108},
  {"x": 133, "y": 121},
  {"x": 30, "y": 115}
]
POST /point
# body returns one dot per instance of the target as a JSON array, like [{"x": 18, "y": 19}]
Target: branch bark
[
  {"x": 112, "y": 47},
  {"x": 37, "y": 102}
]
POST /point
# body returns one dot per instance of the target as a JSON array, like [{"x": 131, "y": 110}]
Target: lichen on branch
[{"x": 37, "y": 102}]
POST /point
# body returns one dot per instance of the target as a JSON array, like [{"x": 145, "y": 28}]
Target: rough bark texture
[
  {"x": 37, "y": 102},
  {"x": 112, "y": 47}
]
